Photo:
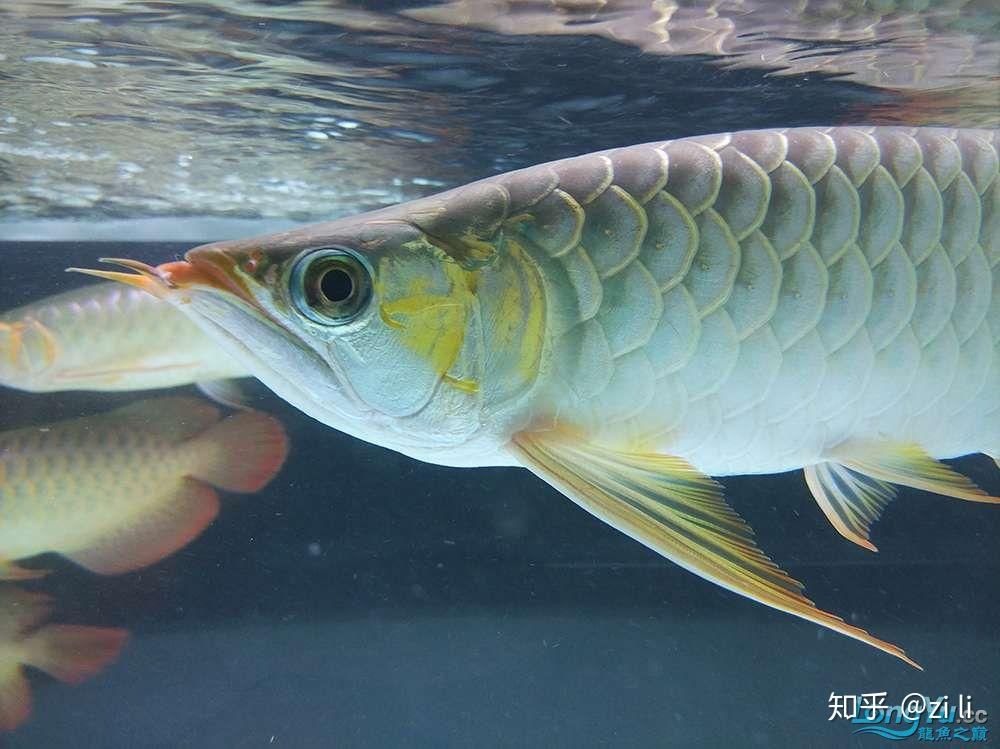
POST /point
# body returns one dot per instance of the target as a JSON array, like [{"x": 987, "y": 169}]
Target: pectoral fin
[
  {"x": 851, "y": 501},
  {"x": 666, "y": 504},
  {"x": 909, "y": 465},
  {"x": 226, "y": 392}
]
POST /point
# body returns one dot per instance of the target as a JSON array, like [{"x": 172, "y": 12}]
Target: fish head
[{"x": 371, "y": 325}]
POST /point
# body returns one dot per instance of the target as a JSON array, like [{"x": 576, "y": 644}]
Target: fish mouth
[
  {"x": 155, "y": 280},
  {"x": 209, "y": 266},
  {"x": 203, "y": 267},
  {"x": 272, "y": 353}
]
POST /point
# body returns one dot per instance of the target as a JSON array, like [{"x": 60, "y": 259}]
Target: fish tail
[
  {"x": 72, "y": 653},
  {"x": 68, "y": 653},
  {"x": 241, "y": 453}
]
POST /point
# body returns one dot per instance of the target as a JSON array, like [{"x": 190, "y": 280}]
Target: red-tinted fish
[
  {"x": 124, "y": 489},
  {"x": 66, "y": 652}
]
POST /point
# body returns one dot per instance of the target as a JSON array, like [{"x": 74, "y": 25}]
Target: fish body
[
  {"x": 105, "y": 337},
  {"x": 627, "y": 323},
  {"x": 779, "y": 310},
  {"x": 121, "y": 490},
  {"x": 66, "y": 652}
]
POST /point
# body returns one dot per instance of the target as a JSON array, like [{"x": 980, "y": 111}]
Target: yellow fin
[
  {"x": 678, "y": 512},
  {"x": 909, "y": 465},
  {"x": 851, "y": 501}
]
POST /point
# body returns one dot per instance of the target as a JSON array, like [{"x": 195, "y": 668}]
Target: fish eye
[{"x": 330, "y": 286}]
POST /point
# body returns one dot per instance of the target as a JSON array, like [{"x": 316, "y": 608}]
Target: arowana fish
[
  {"x": 124, "y": 489},
  {"x": 626, "y": 324},
  {"x": 66, "y": 652},
  {"x": 108, "y": 337}
]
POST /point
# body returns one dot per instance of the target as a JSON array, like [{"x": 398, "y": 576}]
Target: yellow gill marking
[
  {"x": 466, "y": 386},
  {"x": 433, "y": 324},
  {"x": 520, "y": 315},
  {"x": 478, "y": 249},
  {"x": 508, "y": 309},
  {"x": 430, "y": 324}
]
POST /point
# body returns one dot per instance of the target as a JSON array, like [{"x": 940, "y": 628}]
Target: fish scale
[{"x": 814, "y": 259}]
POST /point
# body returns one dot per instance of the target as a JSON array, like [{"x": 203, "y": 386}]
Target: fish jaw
[
  {"x": 230, "y": 314},
  {"x": 268, "y": 351},
  {"x": 442, "y": 424},
  {"x": 203, "y": 287},
  {"x": 155, "y": 280},
  {"x": 308, "y": 381}
]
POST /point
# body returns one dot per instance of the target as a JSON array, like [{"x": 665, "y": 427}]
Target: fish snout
[{"x": 212, "y": 266}]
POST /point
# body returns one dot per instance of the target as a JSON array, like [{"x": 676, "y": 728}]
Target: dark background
[{"x": 367, "y": 600}]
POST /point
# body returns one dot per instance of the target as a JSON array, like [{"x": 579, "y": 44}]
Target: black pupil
[{"x": 336, "y": 285}]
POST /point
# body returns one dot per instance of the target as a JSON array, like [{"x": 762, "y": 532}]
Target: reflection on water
[
  {"x": 918, "y": 46},
  {"x": 144, "y": 108},
  {"x": 315, "y": 109}
]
